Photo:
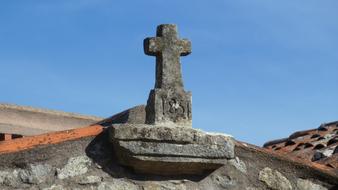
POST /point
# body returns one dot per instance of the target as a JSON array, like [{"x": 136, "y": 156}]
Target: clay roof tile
[{"x": 318, "y": 145}]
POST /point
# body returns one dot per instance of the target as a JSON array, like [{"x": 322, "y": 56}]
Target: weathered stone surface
[
  {"x": 117, "y": 184},
  {"x": 251, "y": 188},
  {"x": 55, "y": 187},
  {"x": 12, "y": 179},
  {"x": 239, "y": 164},
  {"x": 168, "y": 107},
  {"x": 170, "y": 165},
  {"x": 85, "y": 188},
  {"x": 89, "y": 180},
  {"x": 274, "y": 179},
  {"x": 158, "y": 133},
  {"x": 36, "y": 174},
  {"x": 3, "y": 175},
  {"x": 168, "y": 103},
  {"x": 224, "y": 181},
  {"x": 170, "y": 150},
  {"x": 74, "y": 167},
  {"x": 303, "y": 184},
  {"x": 153, "y": 185},
  {"x": 178, "y": 150},
  {"x": 167, "y": 48},
  {"x": 134, "y": 115}
]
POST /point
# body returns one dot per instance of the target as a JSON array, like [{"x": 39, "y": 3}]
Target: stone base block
[
  {"x": 165, "y": 150},
  {"x": 169, "y": 107}
]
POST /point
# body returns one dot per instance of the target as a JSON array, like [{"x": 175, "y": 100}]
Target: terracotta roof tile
[
  {"x": 25, "y": 143},
  {"x": 317, "y": 145}
]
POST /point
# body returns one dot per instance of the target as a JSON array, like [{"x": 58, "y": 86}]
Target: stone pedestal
[
  {"x": 164, "y": 150},
  {"x": 169, "y": 107}
]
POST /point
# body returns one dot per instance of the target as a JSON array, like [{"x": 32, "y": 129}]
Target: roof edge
[
  {"x": 301, "y": 162},
  {"x": 48, "y": 111},
  {"x": 26, "y": 143},
  {"x": 298, "y": 134}
]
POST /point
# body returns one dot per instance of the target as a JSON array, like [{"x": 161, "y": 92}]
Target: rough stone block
[
  {"x": 134, "y": 115},
  {"x": 165, "y": 107},
  {"x": 169, "y": 150}
]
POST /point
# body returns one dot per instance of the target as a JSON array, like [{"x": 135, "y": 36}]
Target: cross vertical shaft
[{"x": 167, "y": 48}]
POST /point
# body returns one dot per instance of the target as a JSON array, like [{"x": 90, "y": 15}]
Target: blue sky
[{"x": 259, "y": 70}]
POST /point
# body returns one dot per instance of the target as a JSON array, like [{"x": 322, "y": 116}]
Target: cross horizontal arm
[
  {"x": 185, "y": 47},
  {"x": 152, "y": 46}
]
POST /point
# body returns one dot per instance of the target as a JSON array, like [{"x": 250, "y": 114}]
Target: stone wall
[{"x": 90, "y": 163}]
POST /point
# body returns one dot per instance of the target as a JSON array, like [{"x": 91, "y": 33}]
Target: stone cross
[
  {"x": 168, "y": 103},
  {"x": 167, "y": 48}
]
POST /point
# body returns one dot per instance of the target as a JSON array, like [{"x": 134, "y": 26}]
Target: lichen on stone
[
  {"x": 117, "y": 184},
  {"x": 303, "y": 184},
  {"x": 238, "y": 164},
  {"x": 274, "y": 179},
  {"x": 36, "y": 174},
  {"x": 74, "y": 167}
]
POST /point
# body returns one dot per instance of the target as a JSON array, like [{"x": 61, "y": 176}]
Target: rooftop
[
  {"x": 29, "y": 121},
  {"x": 318, "y": 145}
]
